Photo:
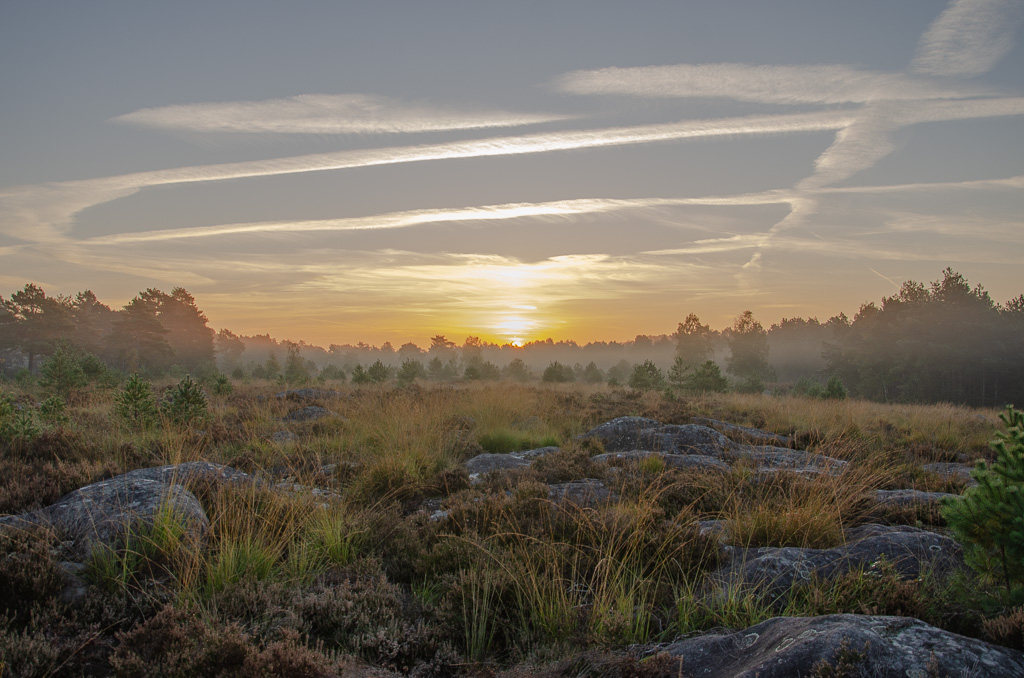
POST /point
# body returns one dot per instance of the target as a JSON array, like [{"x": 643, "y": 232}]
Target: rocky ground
[{"x": 101, "y": 514}]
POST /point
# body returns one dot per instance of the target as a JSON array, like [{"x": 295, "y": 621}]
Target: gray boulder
[
  {"x": 535, "y": 453},
  {"x": 625, "y": 434},
  {"x": 773, "y": 459},
  {"x": 621, "y": 434},
  {"x": 910, "y": 551},
  {"x": 877, "y": 646},
  {"x": 753, "y": 436},
  {"x": 684, "y": 439},
  {"x": 106, "y": 513},
  {"x": 189, "y": 471},
  {"x": 483, "y": 464},
  {"x": 588, "y": 492},
  {"x": 910, "y": 498}
]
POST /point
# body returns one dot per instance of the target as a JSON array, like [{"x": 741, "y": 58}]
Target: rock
[
  {"x": 773, "y": 459},
  {"x": 718, "y": 528},
  {"x": 536, "y": 453},
  {"x": 310, "y": 413},
  {"x": 892, "y": 647},
  {"x": 483, "y": 464},
  {"x": 684, "y": 439},
  {"x": 683, "y": 461},
  {"x": 75, "y": 586},
  {"x": 309, "y": 394},
  {"x": 620, "y": 434},
  {"x": 588, "y": 492},
  {"x": 105, "y": 513},
  {"x": 910, "y": 551},
  {"x": 189, "y": 471},
  {"x": 625, "y": 434},
  {"x": 960, "y": 472},
  {"x": 283, "y": 437},
  {"x": 753, "y": 436},
  {"x": 910, "y": 498}
]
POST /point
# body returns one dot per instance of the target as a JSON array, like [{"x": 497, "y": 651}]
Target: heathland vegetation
[{"x": 321, "y": 512}]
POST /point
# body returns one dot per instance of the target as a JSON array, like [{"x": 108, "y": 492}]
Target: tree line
[{"x": 942, "y": 342}]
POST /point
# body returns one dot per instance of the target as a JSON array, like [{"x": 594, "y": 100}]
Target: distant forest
[{"x": 942, "y": 342}]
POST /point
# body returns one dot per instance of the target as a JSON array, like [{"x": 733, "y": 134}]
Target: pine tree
[{"x": 989, "y": 518}]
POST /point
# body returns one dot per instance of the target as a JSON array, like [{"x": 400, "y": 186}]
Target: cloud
[
  {"x": 324, "y": 114},
  {"x": 411, "y": 218},
  {"x": 44, "y": 210},
  {"x": 812, "y": 84},
  {"x": 968, "y": 38}
]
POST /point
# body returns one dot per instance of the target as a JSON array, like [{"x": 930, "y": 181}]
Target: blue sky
[{"x": 338, "y": 172}]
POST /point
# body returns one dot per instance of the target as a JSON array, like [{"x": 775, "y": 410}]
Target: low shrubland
[{"x": 291, "y": 581}]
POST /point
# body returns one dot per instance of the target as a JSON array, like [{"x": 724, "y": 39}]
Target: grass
[{"x": 510, "y": 576}]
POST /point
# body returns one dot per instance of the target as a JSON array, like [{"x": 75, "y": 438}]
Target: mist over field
[{"x": 942, "y": 342}]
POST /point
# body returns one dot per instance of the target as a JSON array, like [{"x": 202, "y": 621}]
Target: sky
[{"x": 337, "y": 172}]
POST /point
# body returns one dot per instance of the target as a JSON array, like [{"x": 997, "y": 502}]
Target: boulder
[
  {"x": 588, "y": 492},
  {"x": 620, "y": 434},
  {"x": 483, "y": 464},
  {"x": 753, "y": 436},
  {"x": 625, "y": 434},
  {"x": 773, "y": 459},
  {"x": 104, "y": 514},
  {"x": 535, "y": 453},
  {"x": 910, "y": 498},
  {"x": 684, "y": 439},
  {"x": 189, "y": 471},
  {"x": 910, "y": 551},
  {"x": 886, "y": 647}
]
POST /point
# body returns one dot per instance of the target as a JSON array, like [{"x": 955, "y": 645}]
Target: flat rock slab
[
  {"x": 310, "y": 413},
  {"x": 680, "y": 461},
  {"x": 641, "y": 433},
  {"x": 892, "y": 647},
  {"x": 482, "y": 464},
  {"x": 746, "y": 434},
  {"x": 535, "y": 453},
  {"x": 771, "y": 459},
  {"x": 588, "y": 492},
  {"x": 910, "y": 551},
  {"x": 909, "y": 498}
]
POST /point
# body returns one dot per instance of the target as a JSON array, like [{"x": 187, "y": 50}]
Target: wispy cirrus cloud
[
  {"x": 968, "y": 38},
  {"x": 406, "y": 219},
  {"x": 44, "y": 211},
  {"x": 325, "y": 114},
  {"x": 810, "y": 84}
]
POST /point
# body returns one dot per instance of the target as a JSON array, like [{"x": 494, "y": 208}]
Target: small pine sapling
[
  {"x": 135, "y": 405},
  {"x": 989, "y": 518}
]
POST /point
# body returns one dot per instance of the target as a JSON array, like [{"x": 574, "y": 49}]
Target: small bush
[
  {"x": 989, "y": 518},
  {"x": 647, "y": 376},
  {"x": 135, "y": 405},
  {"x": 557, "y": 373},
  {"x": 186, "y": 404},
  {"x": 62, "y": 372}
]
